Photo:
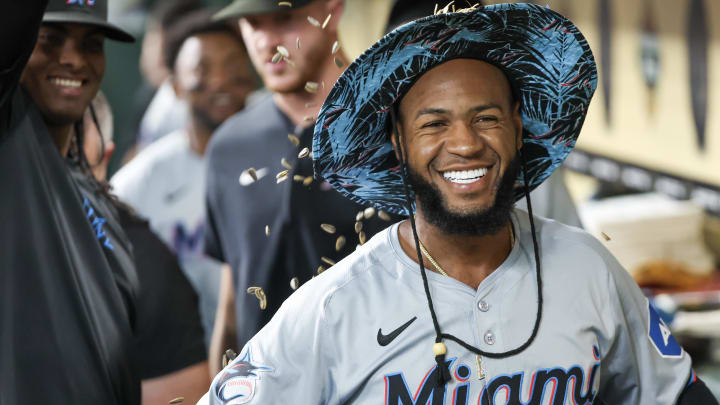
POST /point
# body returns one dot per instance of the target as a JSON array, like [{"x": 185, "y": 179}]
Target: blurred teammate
[
  {"x": 271, "y": 233},
  {"x": 67, "y": 313},
  {"x": 168, "y": 349},
  {"x": 165, "y": 183}
]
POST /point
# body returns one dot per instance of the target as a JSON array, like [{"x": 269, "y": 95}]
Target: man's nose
[
  {"x": 71, "y": 55},
  {"x": 464, "y": 141}
]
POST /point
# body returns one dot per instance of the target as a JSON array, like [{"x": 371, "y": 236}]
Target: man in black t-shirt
[
  {"x": 275, "y": 225},
  {"x": 66, "y": 313}
]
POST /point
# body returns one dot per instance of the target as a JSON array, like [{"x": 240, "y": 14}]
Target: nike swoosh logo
[
  {"x": 173, "y": 195},
  {"x": 384, "y": 340}
]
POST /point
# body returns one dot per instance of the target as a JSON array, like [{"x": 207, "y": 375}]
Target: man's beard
[{"x": 473, "y": 223}]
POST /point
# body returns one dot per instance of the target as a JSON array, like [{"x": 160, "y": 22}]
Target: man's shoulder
[
  {"x": 245, "y": 126},
  {"x": 348, "y": 279}
]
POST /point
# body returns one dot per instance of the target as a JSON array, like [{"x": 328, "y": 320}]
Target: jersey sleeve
[
  {"x": 644, "y": 364},
  {"x": 286, "y": 362},
  {"x": 130, "y": 183}
]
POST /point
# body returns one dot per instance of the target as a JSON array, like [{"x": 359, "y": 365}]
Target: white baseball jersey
[
  {"x": 165, "y": 183},
  {"x": 361, "y": 333}
]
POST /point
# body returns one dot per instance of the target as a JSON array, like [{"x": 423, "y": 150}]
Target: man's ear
[
  {"x": 109, "y": 149},
  {"x": 517, "y": 119},
  {"x": 335, "y": 8},
  {"x": 394, "y": 138}
]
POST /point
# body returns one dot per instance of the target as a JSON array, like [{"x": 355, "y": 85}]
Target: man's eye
[
  {"x": 51, "y": 39},
  {"x": 485, "y": 120},
  {"x": 433, "y": 124}
]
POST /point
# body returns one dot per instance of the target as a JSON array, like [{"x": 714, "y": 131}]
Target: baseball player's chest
[
  {"x": 534, "y": 377},
  {"x": 561, "y": 366}
]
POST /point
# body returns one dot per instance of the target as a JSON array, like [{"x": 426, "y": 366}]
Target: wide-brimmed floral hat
[{"x": 545, "y": 57}]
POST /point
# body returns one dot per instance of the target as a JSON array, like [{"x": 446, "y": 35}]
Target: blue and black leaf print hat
[{"x": 548, "y": 63}]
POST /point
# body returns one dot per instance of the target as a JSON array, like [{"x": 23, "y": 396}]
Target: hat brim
[
  {"x": 74, "y": 17},
  {"x": 244, "y": 8},
  {"x": 545, "y": 57}
]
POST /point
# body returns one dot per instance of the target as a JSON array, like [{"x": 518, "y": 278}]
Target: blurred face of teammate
[
  {"x": 213, "y": 75},
  {"x": 264, "y": 33},
  {"x": 64, "y": 71},
  {"x": 462, "y": 131}
]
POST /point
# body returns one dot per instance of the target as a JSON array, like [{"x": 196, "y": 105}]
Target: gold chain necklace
[{"x": 437, "y": 266}]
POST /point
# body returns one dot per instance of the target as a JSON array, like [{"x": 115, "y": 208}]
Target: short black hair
[
  {"x": 195, "y": 23},
  {"x": 166, "y": 13}
]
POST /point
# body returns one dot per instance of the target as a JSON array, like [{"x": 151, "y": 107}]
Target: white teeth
[
  {"x": 465, "y": 176},
  {"x": 66, "y": 82}
]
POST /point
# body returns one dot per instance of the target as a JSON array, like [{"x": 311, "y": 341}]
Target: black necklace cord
[
  {"x": 444, "y": 372},
  {"x": 443, "y": 375}
]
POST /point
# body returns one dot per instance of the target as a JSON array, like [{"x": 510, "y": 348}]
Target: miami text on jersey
[
  {"x": 97, "y": 224},
  {"x": 552, "y": 386}
]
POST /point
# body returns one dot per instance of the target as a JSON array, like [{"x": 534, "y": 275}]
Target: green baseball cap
[
  {"x": 90, "y": 12},
  {"x": 241, "y": 8}
]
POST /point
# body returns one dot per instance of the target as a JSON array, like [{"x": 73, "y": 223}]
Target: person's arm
[
  {"x": 696, "y": 393},
  {"x": 642, "y": 362},
  {"x": 19, "y": 26},
  {"x": 291, "y": 359},
  {"x": 191, "y": 383},
  {"x": 223, "y": 336}
]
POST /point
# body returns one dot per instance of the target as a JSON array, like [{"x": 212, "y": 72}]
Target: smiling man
[
  {"x": 67, "y": 313},
  {"x": 453, "y": 118}
]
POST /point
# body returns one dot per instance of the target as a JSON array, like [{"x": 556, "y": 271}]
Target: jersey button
[
  {"x": 483, "y": 306},
  {"x": 490, "y": 338}
]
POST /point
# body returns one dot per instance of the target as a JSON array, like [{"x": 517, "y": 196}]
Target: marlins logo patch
[
  {"x": 660, "y": 336},
  {"x": 237, "y": 382}
]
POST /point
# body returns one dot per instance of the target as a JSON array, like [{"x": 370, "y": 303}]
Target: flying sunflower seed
[
  {"x": 298, "y": 178},
  {"x": 313, "y": 21},
  {"x": 224, "y": 361},
  {"x": 276, "y": 58},
  {"x": 297, "y": 42},
  {"x": 294, "y": 139},
  {"x": 358, "y": 226},
  {"x": 253, "y": 173},
  {"x": 309, "y": 118},
  {"x": 304, "y": 153},
  {"x": 294, "y": 283},
  {"x": 605, "y": 236},
  {"x": 267, "y": 230},
  {"x": 361, "y": 237},
  {"x": 285, "y": 3},
  {"x": 322, "y": 83},
  {"x": 289, "y": 62},
  {"x": 308, "y": 180},
  {"x": 369, "y": 212},
  {"x": 320, "y": 269},
  {"x": 260, "y": 294},
  {"x": 176, "y": 400},
  {"x": 283, "y": 51},
  {"x": 308, "y": 105},
  {"x": 335, "y": 47},
  {"x": 339, "y": 243},
  {"x": 285, "y": 163},
  {"x": 282, "y": 174},
  {"x": 384, "y": 215},
  {"x": 360, "y": 215},
  {"x": 230, "y": 354},
  {"x": 328, "y": 228},
  {"x": 328, "y": 260},
  {"x": 311, "y": 87},
  {"x": 327, "y": 20},
  {"x": 338, "y": 62}
]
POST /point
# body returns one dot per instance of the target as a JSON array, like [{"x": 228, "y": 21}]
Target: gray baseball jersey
[{"x": 361, "y": 333}]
